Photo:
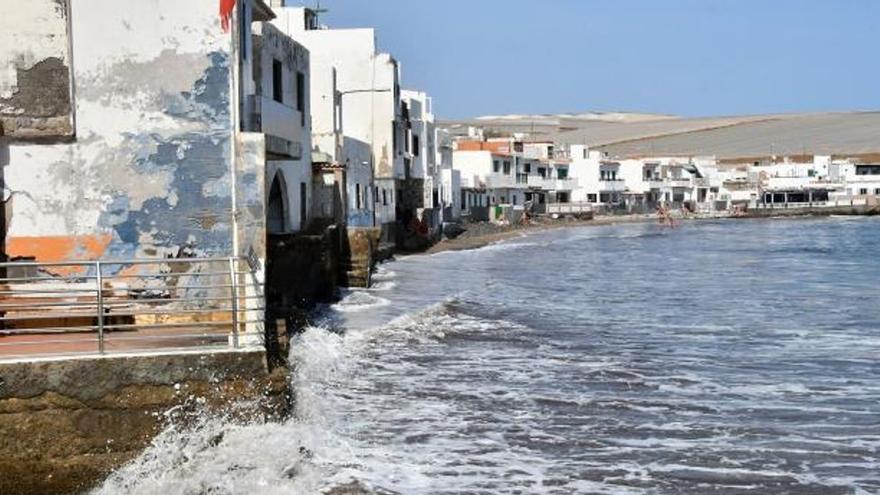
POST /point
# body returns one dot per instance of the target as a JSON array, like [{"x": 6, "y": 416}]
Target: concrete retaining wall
[
  {"x": 799, "y": 212},
  {"x": 66, "y": 424}
]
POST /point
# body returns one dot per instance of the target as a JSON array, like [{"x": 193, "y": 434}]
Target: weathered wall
[
  {"x": 65, "y": 425},
  {"x": 302, "y": 269},
  {"x": 149, "y": 173},
  {"x": 35, "y": 76},
  {"x": 359, "y": 255}
]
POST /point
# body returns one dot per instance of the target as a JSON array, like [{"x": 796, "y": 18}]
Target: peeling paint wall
[
  {"x": 35, "y": 79},
  {"x": 150, "y": 170}
]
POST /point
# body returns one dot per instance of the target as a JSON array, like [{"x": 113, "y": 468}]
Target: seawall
[
  {"x": 819, "y": 211},
  {"x": 66, "y": 424}
]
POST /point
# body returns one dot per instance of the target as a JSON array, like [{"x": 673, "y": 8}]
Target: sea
[{"x": 728, "y": 356}]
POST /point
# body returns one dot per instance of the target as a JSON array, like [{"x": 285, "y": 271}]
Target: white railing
[
  {"x": 617, "y": 185},
  {"x": 834, "y": 203},
  {"x": 501, "y": 180},
  {"x": 562, "y": 208}
]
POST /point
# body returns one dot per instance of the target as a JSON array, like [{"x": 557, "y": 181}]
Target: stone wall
[
  {"x": 65, "y": 425},
  {"x": 359, "y": 255}
]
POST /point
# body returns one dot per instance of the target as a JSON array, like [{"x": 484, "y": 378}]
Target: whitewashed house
[{"x": 368, "y": 86}]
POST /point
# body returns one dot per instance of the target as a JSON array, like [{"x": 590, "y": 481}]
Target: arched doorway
[{"x": 276, "y": 208}]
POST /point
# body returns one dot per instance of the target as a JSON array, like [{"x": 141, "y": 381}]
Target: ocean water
[{"x": 718, "y": 357}]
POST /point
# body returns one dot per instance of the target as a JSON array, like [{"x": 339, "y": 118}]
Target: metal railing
[
  {"x": 560, "y": 208},
  {"x": 832, "y": 203},
  {"x": 123, "y": 306}
]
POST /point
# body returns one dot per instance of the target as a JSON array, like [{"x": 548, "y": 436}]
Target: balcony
[
  {"x": 282, "y": 125},
  {"x": 550, "y": 184},
  {"x": 616, "y": 185},
  {"x": 500, "y": 180},
  {"x": 669, "y": 182}
]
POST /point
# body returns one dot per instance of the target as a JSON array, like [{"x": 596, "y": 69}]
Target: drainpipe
[{"x": 235, "y": 110}]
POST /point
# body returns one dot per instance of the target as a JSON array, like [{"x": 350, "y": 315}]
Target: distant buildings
[{"x": 509, "y": 172}]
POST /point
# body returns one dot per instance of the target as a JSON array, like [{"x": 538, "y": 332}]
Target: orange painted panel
[{"x": 59, "y": 248}]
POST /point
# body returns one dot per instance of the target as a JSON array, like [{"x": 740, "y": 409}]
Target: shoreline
[
  {"x": 497, "y": 233},
  {"x": 482, "y": 234}
]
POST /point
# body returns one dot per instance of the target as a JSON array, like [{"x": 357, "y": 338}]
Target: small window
[
  {"x": 863, "y": 191},
  {"x": 506, "y": 167},
  {"x": 496, "y": 166},
  {"x": 385, "y": 197},
  {"x": 277, "y": 81},
  {"x": 415, "y": 144},
  {"x": 301, "y": 96},
  {"x": 877, "y": 191}
]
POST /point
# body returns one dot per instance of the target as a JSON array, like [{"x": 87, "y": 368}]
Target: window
[
  {"x": 496, "y": 166},
  {"x": 415, "y": 144},
  {"x": 303, "y": 198},
  {"x": 527, "y": 168},
  {"x": 277, "y": 81},
  {"x": 301, "y": 96},
  {"x": 562, "y": 173},
  {"x": 376, "y": 194},
  {"x": 244, "y": 32},
  {"x": 877, "y": 191},
  {"x": 385, "y": 197},
  {"x": 514, "y": 200},
  {"x": 867, "y": 169},
  {"x": 863, "y": 191},
  {"x": 357, "y": 188},
  {"x": 394, "y": 136},
  {"x": 506, "y": 167}
]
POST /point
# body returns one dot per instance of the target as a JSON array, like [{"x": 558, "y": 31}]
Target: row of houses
[{"x": 542, "y": 177}]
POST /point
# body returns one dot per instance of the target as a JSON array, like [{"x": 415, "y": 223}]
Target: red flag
[{"x": 226, "y": 7}]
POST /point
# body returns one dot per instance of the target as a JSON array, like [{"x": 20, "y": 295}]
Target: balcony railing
[
  {"x": 110, "y": 307},
  {"x": 669, "y": 182},
  {"x": 282, "y": 124},
  {"x": 616, "y": 185},
  {"x": 551, "y": 184},
  {"x": 501, "y": 180},
  {"x": 561, "y": 208}
]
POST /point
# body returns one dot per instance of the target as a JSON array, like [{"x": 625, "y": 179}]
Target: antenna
[{"x": 318, "y": 10}]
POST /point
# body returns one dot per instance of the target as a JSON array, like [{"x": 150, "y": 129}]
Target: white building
[
  {"x": 368, "y": 86},
  {"x": 492, "y": 171},
  {"x": 451, "y": 201}
]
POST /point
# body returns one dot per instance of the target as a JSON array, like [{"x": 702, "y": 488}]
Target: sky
[{"x": 679, "y": 57}]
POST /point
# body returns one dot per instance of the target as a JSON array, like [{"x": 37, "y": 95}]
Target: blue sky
[{"x": 683, "y": 57}]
